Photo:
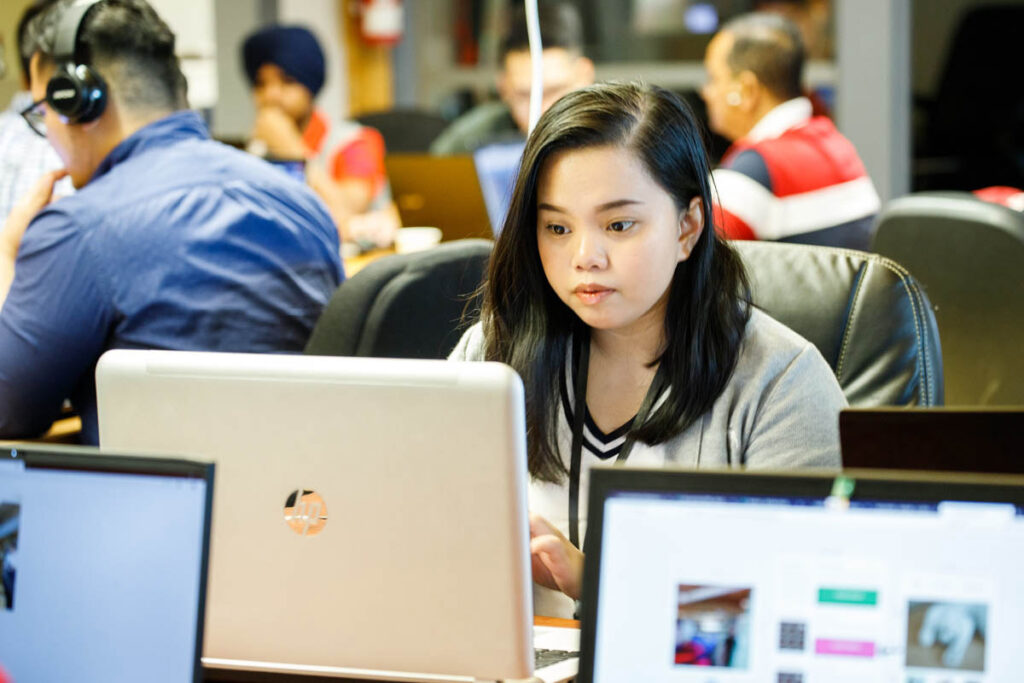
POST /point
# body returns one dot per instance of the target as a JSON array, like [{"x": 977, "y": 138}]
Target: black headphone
[{"x": 75, "y": 91}]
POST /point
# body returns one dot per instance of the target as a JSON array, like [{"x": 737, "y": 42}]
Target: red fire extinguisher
[{"x": 381, "y": 21}]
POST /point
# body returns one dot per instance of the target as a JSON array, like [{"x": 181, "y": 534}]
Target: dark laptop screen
[
  {"x": 952, "y": 439},
  {"x": 103, "y": 567}
]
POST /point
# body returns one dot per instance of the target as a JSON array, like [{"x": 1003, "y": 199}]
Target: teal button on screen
[{"x": 847, "y": 596}]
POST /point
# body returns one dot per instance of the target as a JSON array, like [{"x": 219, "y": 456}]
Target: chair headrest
[{"x": 865, "y": 313}]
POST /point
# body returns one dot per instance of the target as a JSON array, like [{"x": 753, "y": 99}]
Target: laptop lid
[
  {"x": 370, "y": 513},
  {"x": 697, "y": 576},
  {"x": 958, "y": 439},
  {"x": 104, "y": 565},
  {"x": 497, "y": 166},
  {"x": 440, "y": 192}
]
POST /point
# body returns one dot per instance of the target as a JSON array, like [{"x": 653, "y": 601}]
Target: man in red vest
[{"x": 788, "y": 175}]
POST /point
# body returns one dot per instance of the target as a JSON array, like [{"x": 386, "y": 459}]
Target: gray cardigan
[{"x": 779, "y": 411}]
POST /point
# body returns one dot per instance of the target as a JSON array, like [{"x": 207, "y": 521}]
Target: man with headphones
[
  {"x": 788, "y": 175},
  {"x": 173, "y": 241}
]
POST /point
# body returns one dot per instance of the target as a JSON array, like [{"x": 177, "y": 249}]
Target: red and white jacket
[
  {"x": 348, "y": 150},
  {"x": 795, "y": 178}
]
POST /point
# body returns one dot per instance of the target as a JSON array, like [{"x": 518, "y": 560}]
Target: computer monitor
[
  {"x": 955, "y": 439},
  {"x": 439, "y": 192},
  {"x": 497, "y": 166},
  {"x": 799, "y": 578},
  {"x": 104, "y": 565}
]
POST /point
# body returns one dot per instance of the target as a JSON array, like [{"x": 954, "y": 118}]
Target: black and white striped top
[{"x": 604, "y": 446}]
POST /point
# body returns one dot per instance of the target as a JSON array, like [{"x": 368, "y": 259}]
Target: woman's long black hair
[{"x": 528, "y": 327}]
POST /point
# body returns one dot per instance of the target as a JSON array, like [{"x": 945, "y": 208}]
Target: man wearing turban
[{"x": 344, "y": 161}]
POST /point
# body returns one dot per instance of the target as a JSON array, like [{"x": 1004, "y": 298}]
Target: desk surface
[
  {"x": 215, "y": 675},
  {"x": 356, "y": 263},
  {"x": 65, "y": 430}
]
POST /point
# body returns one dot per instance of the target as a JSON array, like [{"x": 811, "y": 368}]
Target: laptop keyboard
[{"x": 542, "y": 657}]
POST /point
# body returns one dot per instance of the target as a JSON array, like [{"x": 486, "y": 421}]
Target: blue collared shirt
[{"x": 177, "y": 242}]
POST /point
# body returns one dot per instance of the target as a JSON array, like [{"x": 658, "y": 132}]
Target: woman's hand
[{"x": 557, "y": 563}]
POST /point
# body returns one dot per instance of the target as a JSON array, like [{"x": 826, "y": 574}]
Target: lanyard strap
[
  {"x": 581, "y": 352},
  {"x": 581, "y": 357}
]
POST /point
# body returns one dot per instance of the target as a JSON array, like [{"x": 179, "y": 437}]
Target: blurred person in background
[
  {"x": 173, "y": 241},
  {"x": 813, "y": 18},
  {"x": 343, "y": 161},
  {"x": 788, "y": 175},
  {"x": 24, "y": 156},
  {"x": 564, "y": 69}
]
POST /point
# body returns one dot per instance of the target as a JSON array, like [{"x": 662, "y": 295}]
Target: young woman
[{"x": 628, "y": 320}]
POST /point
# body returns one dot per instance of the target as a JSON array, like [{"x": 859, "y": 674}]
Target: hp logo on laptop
[{"x": 305, "y": 512}]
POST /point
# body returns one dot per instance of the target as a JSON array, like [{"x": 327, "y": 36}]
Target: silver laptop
[
  {"x": 869, "y": 578},
  {"x": 443, "y": 192},
  {"x": 370, "y": 513},
  {"x": 103, "y": 565}
]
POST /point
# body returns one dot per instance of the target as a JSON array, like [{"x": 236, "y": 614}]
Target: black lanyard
[{"x": 581, "y": 351}]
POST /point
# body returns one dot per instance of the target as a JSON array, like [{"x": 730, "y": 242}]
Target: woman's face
[{"x": 610, "y": 237}]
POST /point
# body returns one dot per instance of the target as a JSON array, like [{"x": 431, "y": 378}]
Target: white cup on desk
[{"x": 416, "y": 239}]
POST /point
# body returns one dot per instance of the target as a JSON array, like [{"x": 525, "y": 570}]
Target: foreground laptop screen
[
  {"x": 801, "y": 589},
  {"x": 102, "y": 572}
]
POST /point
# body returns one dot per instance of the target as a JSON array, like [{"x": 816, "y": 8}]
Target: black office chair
[
  {"x": 968, "y": 256},
  {"x": 405, "y": 306},
  {"x": 405, "y": 130},
  {"x": 865, "y": 313}
]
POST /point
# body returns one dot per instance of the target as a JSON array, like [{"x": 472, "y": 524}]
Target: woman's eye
[
  {"x": 557, "y": 229},
  {"x": 620, "y": 226}
]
